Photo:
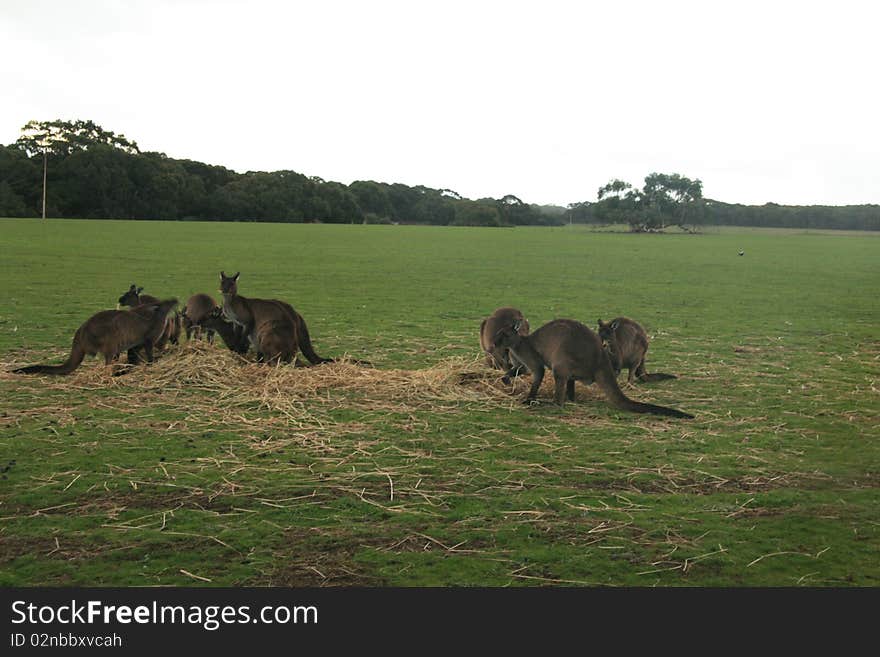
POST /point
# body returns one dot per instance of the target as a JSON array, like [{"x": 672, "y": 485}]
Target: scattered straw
[{"x": 229, "y": 383}]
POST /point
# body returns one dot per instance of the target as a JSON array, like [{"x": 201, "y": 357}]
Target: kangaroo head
[
  {"x": 229, "y": 284},
  {"x": 607, "y": 329},
  {"x": 506, "y": 337},
  {"x": 131, "y": 297}
]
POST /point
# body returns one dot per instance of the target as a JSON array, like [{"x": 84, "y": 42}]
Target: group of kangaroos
[{"x": 276, "y": 333}]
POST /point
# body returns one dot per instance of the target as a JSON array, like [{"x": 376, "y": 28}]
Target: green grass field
[{"x": 238, "y": 474}]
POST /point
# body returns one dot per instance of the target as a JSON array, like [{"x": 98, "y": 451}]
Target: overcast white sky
[{"x": 763, "y": 101}]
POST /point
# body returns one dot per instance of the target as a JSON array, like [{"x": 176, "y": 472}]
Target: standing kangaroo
[
  {"x": 248, "y": 313},
  {"x": 135, "y": 300},
  {"x": 573, "y": 353},
  {"x": 627, "y": 343},
  {"x": 109, "y": 333},
  {"x": 198, "y": 308},
  {"x": 268, "y": 324},
  {"x": 499, "y": 357}
]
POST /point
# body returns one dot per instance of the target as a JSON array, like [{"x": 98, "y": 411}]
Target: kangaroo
[
  {"x": 261, "y": 319},
  {"x": 232, "y": 335},
  {"x": 499, "y": 357},
  {"x": 304, "y": 341},
  {"x": 248, "y": 313},
  {"x": 572, "y": 352},
  {"x": 198, "y": 308},
  {"x": 109, "y": 333},
  {"x": 275, "y": 341},
  {"x": 627, "y": 343},
  {"x": 135, "y": 300}
]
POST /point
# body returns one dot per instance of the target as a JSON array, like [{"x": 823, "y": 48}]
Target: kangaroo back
[
  {"x": 199, "y": 306},
  {"x": 304, "y": 340},
  {"x": 157, "y": 326},
  {"x": 276, "y": 341}
]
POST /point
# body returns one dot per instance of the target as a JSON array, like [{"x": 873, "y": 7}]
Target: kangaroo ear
[
  {"x": 222, "y": 275},
  {"x": 615, "y": 324},
  {"x": 139, "y": 290},
  {"x": 237, "y": 274},
  {"x": 132, "y": 288}
]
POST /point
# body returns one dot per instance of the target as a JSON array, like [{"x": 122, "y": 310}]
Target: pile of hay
[{"x": 223, "y": 380}]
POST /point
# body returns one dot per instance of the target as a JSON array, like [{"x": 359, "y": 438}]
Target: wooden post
[{"x": 45, "y": 163}]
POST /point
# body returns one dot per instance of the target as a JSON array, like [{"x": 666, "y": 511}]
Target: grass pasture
[{"x": 202, "y": 469}]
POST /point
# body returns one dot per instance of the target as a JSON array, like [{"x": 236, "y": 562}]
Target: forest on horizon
[{"x": 94, "y": 173}]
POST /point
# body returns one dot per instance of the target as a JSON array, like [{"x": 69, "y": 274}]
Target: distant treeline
[
  {"x": 94, "y": 173},
  {"x": 769, "y": 215},
  {"x": 842, "y": 217},
  {"x": 103, "y": 182}
]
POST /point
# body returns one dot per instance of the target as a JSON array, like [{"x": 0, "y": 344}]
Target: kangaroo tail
[
  {"x": 607, "y": 381},
  {"x": 656, "y": 376},
  {"x": 305, "y": 343},
  {"x": 77, "y": 353}
]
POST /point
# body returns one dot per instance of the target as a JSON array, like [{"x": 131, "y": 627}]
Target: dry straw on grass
[
  {"x": 285, "y": 387},
  {"x": 224, "y": 381}
]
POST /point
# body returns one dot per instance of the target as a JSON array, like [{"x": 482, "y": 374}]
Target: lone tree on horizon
[{"x": 63, "y": 137}]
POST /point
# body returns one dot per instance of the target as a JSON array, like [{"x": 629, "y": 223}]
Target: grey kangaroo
[
  {"x": 269, "y": 325},
  {"x": 198, "y": 308},
  {"x": 137, "y": 302},
  {"x": 250, "y": 313},
  {"x": 109, "y": 333},
  {"x": 499, "y": 357},
  {"x": 627, "y": 343},
  {"x": 573, "y": 352}
]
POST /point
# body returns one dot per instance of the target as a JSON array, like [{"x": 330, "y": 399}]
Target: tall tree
[
  {"x": 372, "y": 198},
  {"x": 672, "y": 200},
  {"x": 665, "y": 200},
  {"x": 619, "y": 202},
  {"x": 64, "y": 137}
]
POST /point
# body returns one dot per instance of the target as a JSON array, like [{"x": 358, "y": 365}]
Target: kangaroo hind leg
[{"x": 562, "y": 383}]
